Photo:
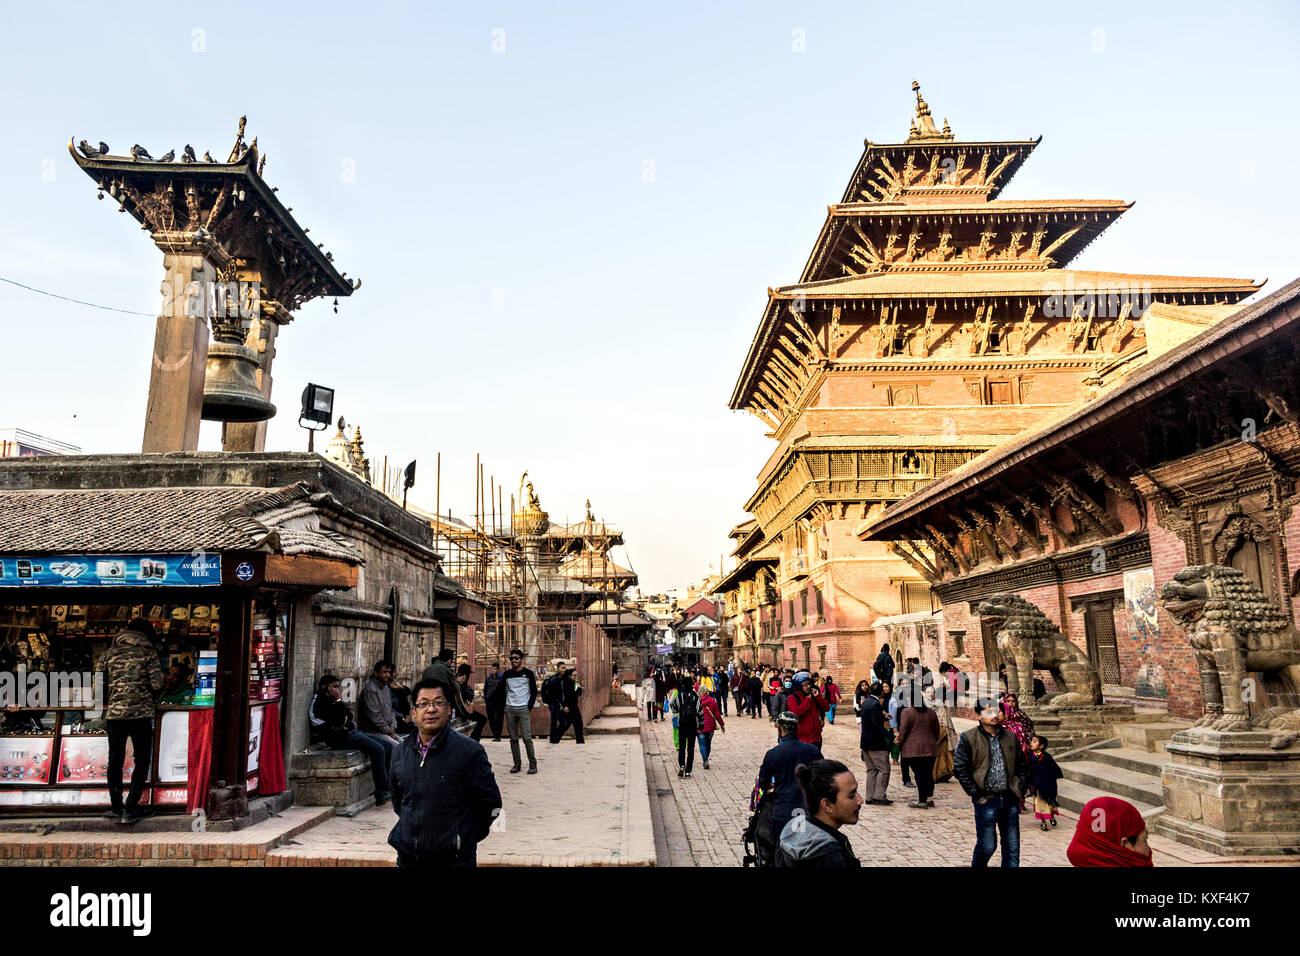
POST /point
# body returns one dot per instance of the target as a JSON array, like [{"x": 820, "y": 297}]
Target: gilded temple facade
[{"x": 933, "y": 321}]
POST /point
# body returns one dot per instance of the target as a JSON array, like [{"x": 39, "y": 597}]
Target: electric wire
[{"x": 55, "y": 295}]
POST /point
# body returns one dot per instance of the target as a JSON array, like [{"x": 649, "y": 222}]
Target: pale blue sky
[{"x": 629, "y": 304}]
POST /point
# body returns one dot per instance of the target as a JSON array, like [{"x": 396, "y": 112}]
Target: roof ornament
[
  {"x": 923, "y": 128},
  {"x": 589, "y": 515},
  {"x": 239, "y": 140}
]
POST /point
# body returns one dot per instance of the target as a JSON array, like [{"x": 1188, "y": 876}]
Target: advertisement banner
[
  {"x": 25, "y": 760},
  {"x": 196, "y": 569}
]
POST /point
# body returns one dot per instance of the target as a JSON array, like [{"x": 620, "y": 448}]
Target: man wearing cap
[
  {"x": 776, "y": 775},
  {"x": 808, "y": 705}
]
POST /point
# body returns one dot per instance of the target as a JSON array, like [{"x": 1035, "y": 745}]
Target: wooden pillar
[
  {"x": 230, "y": 716},
  {"x": 180, "y": 355}
]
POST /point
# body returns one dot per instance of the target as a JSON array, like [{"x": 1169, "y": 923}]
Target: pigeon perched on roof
[
  {"x": 91, "y": 152},
  {"x": 168, "y": 156},
  {"x": 187, "y": 155},
  {"x": 138, "y": 153},
  {"x": 207, "y": 157}
]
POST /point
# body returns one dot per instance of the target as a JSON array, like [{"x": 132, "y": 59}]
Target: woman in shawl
[
  {"x": 1018, "y": 722},
  {"x": 943, "y": 761},
  {"x": 1110, "y": 832}
]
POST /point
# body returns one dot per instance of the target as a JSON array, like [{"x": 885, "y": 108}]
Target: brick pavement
[
  {"x": 124, "y": 847},
  {"x": 711, "y": 809}
]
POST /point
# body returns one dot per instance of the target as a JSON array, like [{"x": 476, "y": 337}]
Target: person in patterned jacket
[{"x": 134, "y": 678}]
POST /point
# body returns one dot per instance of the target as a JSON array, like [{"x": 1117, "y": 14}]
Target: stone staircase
[
  {"x": 1126, "y": 766},
  {"x": 619, "y": 716}
]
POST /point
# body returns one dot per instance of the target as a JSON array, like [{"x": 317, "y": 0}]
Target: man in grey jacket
[{"x": 375, "y": 708}]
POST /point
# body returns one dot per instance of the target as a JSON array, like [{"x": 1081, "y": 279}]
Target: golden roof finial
[
  {"x": 922, "y": 108},
  {"x": 923, "y": 128},
  {"x": 589, "y": 515}
]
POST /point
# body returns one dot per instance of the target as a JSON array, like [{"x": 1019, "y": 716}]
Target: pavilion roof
[{"x": 230, "y": 203}]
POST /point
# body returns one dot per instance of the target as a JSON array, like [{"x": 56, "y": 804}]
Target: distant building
[{"x": 19, "y": 443}]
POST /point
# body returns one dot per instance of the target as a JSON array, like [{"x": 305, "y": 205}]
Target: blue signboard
[{"x": 197, "y": 569}]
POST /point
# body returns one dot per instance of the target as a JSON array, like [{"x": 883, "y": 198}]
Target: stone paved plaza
[
  {"x": 587, "y": 806},
  {"x": 703, "y": 817}
]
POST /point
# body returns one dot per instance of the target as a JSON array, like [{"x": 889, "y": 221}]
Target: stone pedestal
[
  {"x": 1077, "y": 725},
  {"x": 332, "y": 778},
  {"x": 1235, "y": 794}
]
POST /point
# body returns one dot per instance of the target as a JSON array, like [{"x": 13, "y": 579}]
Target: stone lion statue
[
  {"x": 1028, "y": 640},
  {"x": 1233, "y": 628}
]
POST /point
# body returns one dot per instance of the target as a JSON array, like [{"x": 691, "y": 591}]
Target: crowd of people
[
  {"x": 801, "y": 801},
  {"x": 445, "y": 796}
]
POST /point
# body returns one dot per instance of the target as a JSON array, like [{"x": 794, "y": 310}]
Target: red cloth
[
  {"x": 712, "y": 717},
  {"x": 832, "y": 694},
  {"x": 809, "y": 710},
  {"x": 199, "y": 771},
  {"x": 270, "y": 765},
  {"x": 1103, "y": 822}
]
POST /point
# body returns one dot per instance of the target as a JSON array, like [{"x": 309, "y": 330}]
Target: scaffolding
[{"x": 571, "y": 578}]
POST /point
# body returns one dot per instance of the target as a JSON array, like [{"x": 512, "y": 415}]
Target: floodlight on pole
[{"x": 317, "y": 411}]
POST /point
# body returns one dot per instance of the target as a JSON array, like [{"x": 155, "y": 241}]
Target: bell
[{"x": 230, "y": 392}]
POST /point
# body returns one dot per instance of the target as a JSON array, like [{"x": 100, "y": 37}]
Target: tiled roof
[
  {"x": 167, "y": 520},
  {"x": 100, "y": 521}
]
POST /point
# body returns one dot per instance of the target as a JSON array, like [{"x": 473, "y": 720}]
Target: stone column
[{"x": 180, "y": 355}]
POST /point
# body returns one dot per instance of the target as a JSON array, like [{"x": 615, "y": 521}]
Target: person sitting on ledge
[{"x": 333, "y": 725}]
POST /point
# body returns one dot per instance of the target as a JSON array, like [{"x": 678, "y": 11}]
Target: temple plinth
[{"x": 236, "y": 267}]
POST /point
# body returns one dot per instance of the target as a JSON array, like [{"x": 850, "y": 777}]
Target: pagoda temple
[{"x": 932, "y": 322}]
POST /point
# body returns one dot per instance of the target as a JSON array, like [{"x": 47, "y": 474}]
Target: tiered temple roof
[{"x": 919, "y": 233}]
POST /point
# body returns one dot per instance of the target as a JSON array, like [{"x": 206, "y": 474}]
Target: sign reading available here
[{"x": 196, "y": 569}]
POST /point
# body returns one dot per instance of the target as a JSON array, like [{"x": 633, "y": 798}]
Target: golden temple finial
[
  {"x": 923, "y": 128},
  {"x": 922, "y": 108},
  {"x": 589, "y": 515}
]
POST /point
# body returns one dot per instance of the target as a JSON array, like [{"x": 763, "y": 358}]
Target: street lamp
[{"x": 317, "y": 411}]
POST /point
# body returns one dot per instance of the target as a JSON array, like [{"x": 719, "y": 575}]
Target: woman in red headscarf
[{"x": 1110, "y": 832}]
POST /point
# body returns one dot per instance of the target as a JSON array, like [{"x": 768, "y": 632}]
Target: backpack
[{"x": 551, "y": 690}]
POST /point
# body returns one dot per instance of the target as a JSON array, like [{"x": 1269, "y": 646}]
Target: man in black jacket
[
  {"x": 570, "y": 691},
  {"x": 875, "y": 741},
  {"x": 991, "y": 768},
  {"x": 776, "y": 775},
  {"x": 496, "y": 710},
  {"x": 553, "y": 697},
  {"x": 443, "y": 789}
]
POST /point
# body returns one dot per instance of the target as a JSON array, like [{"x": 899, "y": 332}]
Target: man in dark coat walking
[{"x": 776, "y": 775}]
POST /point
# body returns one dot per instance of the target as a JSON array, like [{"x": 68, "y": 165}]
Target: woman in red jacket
[
  {"x": 807, "y": 703},
  {"x": 711, "y": 720}
]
